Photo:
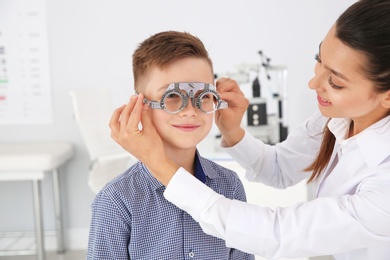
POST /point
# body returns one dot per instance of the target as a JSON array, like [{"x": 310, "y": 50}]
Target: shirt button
[{"x": 191, "y": 254}]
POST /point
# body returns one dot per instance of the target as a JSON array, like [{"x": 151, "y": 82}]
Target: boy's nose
[
  {"x": 191, "y": 96},
  {"x": 190, "y": 109}
]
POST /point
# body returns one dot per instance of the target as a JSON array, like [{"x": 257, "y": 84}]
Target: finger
[
  {"x": 232, "y": 96},
  {"x": 221, "y": 80},
  {"x": 228, "y": 85},
  {"x": 126, "y": 113},
  {"x": 114, "y": 121},
  {"x": 227, "y": 88},
  {"x": 135, "y": 116},
  {"x": 221, "y": 84},
  {"x": 146, "y": 118}
]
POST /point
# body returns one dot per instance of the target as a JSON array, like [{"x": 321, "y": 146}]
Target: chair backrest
[{"x": 92, "y": 110}]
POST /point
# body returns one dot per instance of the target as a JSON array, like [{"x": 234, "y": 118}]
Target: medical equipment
[
  {"x": 203, "y": 96},
  {"x": 267, "y": 113},
  {"x": 267, "y": 110}
]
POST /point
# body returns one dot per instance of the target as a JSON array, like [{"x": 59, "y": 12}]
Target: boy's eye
[{"x": 172, "y": 95}]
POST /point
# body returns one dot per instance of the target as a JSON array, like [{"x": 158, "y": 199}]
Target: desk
[{"x": 31, "y": 161}]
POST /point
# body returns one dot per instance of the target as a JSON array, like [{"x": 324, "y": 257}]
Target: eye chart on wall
[{"x": 25, "y": 92}]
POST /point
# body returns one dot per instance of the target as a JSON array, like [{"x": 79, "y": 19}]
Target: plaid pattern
[{"x": 131, "y": 219}]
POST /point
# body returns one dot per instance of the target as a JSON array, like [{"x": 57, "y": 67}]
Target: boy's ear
[{"x": 386, "y": 99}]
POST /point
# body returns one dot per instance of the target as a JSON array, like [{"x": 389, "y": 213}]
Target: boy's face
[{"x": 185, "y": 129}]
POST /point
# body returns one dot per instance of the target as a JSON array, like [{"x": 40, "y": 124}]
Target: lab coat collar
[
  {"x": 371, "y": 139},
  {"x": 339, "y": 127}
]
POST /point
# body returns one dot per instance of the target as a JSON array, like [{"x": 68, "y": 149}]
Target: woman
[{"x": 344, "y": 151}]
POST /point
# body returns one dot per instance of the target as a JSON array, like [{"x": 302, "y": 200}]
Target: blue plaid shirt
[{"x": 131, "y": 219}]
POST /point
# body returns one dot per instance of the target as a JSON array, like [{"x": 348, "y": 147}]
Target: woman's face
[{"x": 343, "y": 91}]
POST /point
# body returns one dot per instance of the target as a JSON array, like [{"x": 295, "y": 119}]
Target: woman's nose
[
  {"x": 318, "y": 80},
  {"x": 312, "y": 82}
]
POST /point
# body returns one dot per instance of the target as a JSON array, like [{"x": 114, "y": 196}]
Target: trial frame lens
[{"x": 203, "y": 96}]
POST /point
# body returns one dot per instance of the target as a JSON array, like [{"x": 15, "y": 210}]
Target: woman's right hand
[
  {"x": 229, "y": 120},
  {"x": 143, "y": 143}
]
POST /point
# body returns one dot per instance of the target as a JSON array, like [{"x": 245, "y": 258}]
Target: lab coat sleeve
[
  {"x": 328, "y": 225},
  {"x": 322, "y": 226},
  {"x": 281, "y": 165},
  {"x": 198, "y": 197}
]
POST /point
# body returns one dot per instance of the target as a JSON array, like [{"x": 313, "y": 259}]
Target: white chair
[{"x": 92, "y": 110}]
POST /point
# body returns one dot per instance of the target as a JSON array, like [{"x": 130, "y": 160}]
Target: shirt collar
[
  {"x": 156, "y": 184},
  {"x": 206, "y": 167},
  {"x": 339, "y": 127},
  {"x": 374, "y": 138},
  {"x": 202, "y": 169},
  {"x": 199, "y": 173}
]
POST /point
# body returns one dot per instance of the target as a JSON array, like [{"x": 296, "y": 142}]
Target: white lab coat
[{"x": 349, "y": 219}]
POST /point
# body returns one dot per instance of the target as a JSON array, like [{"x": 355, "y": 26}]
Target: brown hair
[
  {"x": 163, "y": 48},
  {"x": 364, "y": 26}
]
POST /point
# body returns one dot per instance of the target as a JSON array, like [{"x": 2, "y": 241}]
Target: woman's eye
[
  {"x": 317, "y": 58},
  {"x": 330, "y": 81}
]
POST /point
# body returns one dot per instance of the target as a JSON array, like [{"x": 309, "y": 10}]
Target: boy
[{"x": 131, "y": 219}]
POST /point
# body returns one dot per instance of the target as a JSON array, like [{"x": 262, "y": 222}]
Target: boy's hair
[{"x": 162, "y": 49}]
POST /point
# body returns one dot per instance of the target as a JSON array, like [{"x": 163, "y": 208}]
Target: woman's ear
[{"x": 386, "y": 99}]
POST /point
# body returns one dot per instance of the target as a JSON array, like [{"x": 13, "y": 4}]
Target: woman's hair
[
  {"x": 365, "y": 27},
  {"x": 161, "y": 49}
]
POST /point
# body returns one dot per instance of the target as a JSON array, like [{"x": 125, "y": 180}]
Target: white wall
[{"x": 91, "y": 43}]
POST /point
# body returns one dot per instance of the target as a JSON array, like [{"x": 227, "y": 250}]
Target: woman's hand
[
  {"x": 229, "y": 120},
  {"x": 142, "y": 141}
]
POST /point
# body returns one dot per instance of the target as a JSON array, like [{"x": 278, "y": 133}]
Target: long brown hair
[
  {"x": 364, "y": 26},
  {"x": 324, "y": 154}
]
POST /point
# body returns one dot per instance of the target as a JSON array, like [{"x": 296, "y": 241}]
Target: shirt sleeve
[{"x": 109, "y": 232}]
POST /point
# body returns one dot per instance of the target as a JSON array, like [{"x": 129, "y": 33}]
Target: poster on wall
[{"x": 25, "y": 91}]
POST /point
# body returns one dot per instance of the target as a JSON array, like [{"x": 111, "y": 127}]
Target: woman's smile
[{"x": 323, "y": 102}]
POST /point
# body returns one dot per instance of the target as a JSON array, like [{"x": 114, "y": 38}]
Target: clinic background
[{"x": 91, "y": 44}]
